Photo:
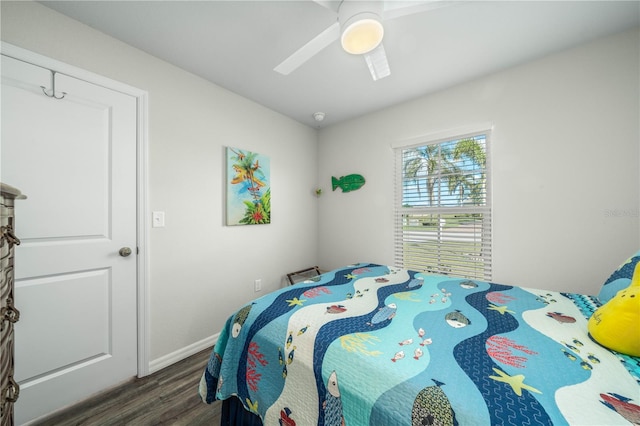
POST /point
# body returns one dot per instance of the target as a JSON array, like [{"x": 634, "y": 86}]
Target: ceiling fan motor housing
[{"x": 360, "y": 25}]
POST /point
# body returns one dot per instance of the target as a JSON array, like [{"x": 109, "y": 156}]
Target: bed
[{"x": 371, "y": 344}]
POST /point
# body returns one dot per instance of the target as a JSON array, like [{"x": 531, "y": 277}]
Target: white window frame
[{"x": 478, "y": 265}]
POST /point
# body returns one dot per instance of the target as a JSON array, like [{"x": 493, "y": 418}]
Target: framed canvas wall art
[{"x": 248, "y": 188}]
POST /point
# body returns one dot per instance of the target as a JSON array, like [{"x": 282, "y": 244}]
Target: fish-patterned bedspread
[{"x": 378, "y": 345}]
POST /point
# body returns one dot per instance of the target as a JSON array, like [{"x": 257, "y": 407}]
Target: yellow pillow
[{"x": 616, "y": 324}]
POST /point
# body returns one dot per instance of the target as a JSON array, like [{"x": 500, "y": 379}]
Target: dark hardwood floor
[{"x": 167, "y": 397}]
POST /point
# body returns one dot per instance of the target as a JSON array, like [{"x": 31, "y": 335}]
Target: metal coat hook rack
[{"x": 53, "y": 88}]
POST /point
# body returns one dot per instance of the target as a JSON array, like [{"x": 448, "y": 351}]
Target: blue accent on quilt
[
  {"x": 372, "y": 344},
  {"x": 619, "y": 279}
]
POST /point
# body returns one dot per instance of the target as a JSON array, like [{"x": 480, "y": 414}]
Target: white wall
[
  {"x": 565, "y": 153},
  {"x": 200, "y": 270}
]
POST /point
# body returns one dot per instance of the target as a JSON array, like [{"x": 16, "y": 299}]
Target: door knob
[{"x": 124, "y": 251}]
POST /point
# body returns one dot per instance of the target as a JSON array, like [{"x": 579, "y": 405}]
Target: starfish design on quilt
[
  {"x": 295, "y": 301},
  {"x": 350, "y": 276},
  {"x": 516, "y": 382},
  {"x": 253, "y": 406},
  {"x": 501, "y": 309}
]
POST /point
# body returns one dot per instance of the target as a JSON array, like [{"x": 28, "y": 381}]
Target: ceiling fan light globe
[{"x": 361, "y": 35}]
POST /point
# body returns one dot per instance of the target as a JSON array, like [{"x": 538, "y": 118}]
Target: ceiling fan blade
[
  {"x": 309, "y": 50},
  {"x": 329, "y": 4},
  {"x": 397, "y": 9},
  {"x": 377, "y": 62}
]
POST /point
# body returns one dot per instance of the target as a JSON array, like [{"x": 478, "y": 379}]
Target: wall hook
[{"x": 53, "y": 88}]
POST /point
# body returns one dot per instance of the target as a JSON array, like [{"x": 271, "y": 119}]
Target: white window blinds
[{"x": 443, "y": 207}]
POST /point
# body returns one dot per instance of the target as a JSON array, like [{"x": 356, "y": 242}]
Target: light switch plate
[{"x": 158, "y": 220}]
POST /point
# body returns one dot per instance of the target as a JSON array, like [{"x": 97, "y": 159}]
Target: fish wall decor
[{"x": 347, "y": 183}]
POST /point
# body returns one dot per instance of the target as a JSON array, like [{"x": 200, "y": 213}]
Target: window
[{"x": 443, "y": 206}]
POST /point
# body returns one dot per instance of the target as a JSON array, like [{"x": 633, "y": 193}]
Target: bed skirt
[{"x": 234, "y": 414}]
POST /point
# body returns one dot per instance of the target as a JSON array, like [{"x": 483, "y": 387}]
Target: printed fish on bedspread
[
  {"x": 432, "y": 407},
  {"x": 332, "y": 404}
]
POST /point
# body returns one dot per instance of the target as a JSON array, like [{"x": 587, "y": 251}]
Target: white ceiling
[{"x": 236, "y": 44}]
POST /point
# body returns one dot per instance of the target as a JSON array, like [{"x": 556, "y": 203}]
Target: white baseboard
[{"x": 180, "y": 354}]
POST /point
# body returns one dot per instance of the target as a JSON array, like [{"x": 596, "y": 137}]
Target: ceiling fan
[{"x": 359, "y": 28}]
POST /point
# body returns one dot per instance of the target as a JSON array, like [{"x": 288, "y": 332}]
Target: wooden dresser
[{"x": 8, "y": 313}]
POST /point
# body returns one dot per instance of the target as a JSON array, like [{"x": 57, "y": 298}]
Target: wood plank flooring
[{"x": 167, "y": 397}]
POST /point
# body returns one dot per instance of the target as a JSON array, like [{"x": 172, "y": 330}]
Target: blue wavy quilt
[{"x": 378, "y": 345}]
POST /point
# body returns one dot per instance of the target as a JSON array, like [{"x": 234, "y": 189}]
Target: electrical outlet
[{"x": 257, "y": 285}]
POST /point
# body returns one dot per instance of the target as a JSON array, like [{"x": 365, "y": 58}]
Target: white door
[{"x": 75, "y": 159}]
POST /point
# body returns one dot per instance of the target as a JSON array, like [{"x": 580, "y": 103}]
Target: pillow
[
  {"x": 620, "y": 279},
  {"x": 616, "y": 324}
]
